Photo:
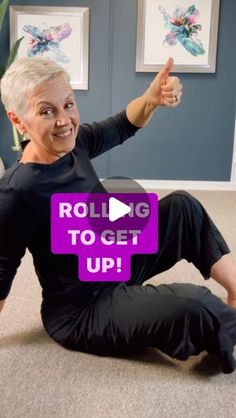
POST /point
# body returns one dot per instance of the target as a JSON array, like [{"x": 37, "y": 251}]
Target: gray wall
[{"x": 192, "y": 142}]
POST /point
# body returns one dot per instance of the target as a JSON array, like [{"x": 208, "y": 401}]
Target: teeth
[{"x": 64, "y": 134}]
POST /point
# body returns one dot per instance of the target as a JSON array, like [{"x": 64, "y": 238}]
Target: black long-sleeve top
[{"x": 25, "y": 193}]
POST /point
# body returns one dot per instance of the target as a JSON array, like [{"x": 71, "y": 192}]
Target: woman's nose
[{"x": 63, "y": 119}]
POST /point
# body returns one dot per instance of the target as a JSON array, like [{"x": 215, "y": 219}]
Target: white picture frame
[
  {"x": 164, "y": 31},
  {"x": 57, "y": 33}
]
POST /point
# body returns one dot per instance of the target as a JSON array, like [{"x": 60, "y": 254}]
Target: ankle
[{"x": 224, "y": 273}]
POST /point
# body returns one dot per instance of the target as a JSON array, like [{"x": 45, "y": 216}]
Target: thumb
[{"x": 167, "y": 69}]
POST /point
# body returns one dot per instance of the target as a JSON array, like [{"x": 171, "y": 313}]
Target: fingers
[
  {"x": 172, "y": 99},
  {"x": 173, "y": 102},
  {"x": 171, "y": 83},
  {"x": 172, "y": 92}
]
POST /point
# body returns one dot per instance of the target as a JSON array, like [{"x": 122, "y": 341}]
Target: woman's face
[{"x": 52, "y": 118}]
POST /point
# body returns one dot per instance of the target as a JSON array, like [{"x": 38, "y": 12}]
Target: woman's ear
[{"x": 16, "y": 121}]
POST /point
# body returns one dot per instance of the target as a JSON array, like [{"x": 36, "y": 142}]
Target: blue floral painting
[
  {"x": 47, "y": 41},
  {"x": 183, "y": 29}
]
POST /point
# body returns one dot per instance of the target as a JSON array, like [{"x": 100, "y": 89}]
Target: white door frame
[{"x": 233, "y": 170}]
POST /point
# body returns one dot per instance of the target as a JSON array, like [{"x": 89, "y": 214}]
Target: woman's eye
[
  {"x": 69, "y": 105},
  {"x": 50, "y": 111},
  {"x": 47, "y": 112}
]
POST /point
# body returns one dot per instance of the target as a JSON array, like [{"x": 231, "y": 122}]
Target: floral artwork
[
  {"x": 59, "y": 34},
  {"x": 186, "y": 30},
  {"x": 46, "y": 41},
  {"x": 183, "y": 29}
]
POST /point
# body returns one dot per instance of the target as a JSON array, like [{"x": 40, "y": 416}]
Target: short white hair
[{"x": 23, "y": 76}]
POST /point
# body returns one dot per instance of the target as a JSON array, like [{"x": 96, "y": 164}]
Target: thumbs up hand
[{"x": 165, "y": 90}]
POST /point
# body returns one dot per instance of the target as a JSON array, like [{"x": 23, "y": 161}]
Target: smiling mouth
[{"x": 64, "y": 134}]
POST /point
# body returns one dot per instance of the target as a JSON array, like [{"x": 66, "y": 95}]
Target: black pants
[{"x": 179, "y": 319}]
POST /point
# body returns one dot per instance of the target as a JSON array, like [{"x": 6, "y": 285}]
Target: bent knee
[
  {"x": 190, "y": 291},
  {"x": 184, "y": 199},
  {"x": 181, "y": 194}
]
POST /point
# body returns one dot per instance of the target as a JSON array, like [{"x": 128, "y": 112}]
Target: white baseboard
[
  {"x": 190, "y": 185},
  {"x": 183, "y": 185}
]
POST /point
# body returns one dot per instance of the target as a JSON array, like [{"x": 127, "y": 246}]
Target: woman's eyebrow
[{"x": 43, "y": 102}]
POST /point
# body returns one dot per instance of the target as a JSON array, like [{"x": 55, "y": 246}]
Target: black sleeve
[
  {"x": 99, "y": 137},
  {"x": 16, "y": 222}
]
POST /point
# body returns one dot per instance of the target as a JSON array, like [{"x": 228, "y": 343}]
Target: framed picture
[
  {"x": 56, "y": 33},
  {"x": 183, "y": 29}
]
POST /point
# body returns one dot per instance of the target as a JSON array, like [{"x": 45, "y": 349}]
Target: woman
[{"x": 106, "y": 318}]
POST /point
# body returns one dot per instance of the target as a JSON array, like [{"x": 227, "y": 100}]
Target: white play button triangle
[{"x": 117, "y": 209}]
